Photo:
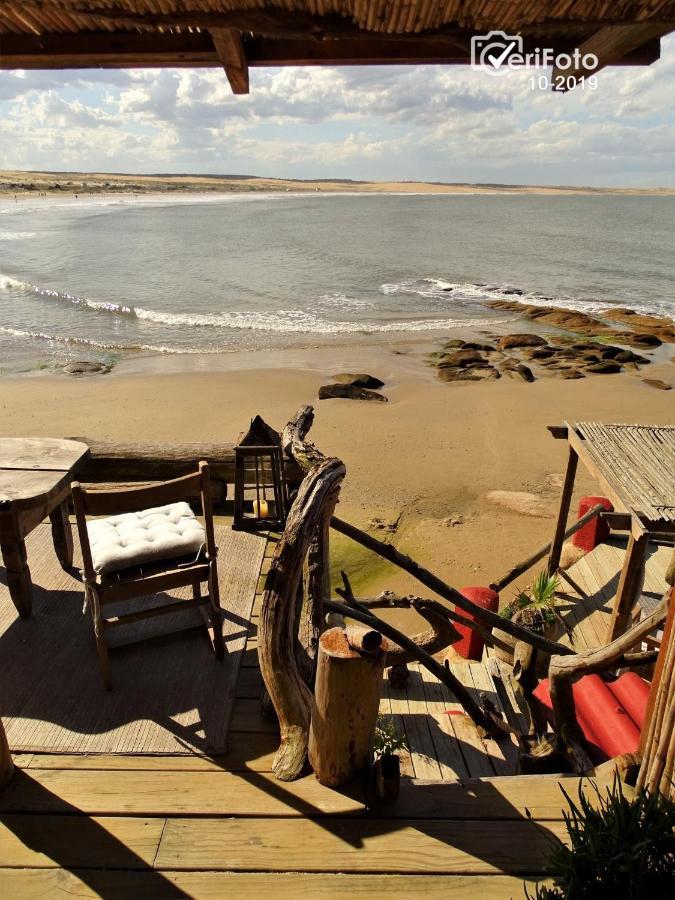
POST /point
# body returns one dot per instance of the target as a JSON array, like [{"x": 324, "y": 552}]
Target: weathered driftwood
[
  {"x": 316, "y": 574},
  {"x": 480, "y": 716},
  {"x": 564, "y": 671},
  {"x": 346, "y": 704},
  {"x": 440, "y": 636},
  {"x": 6, "y": 762},
  {"x": 526, "y": 564},
  {"x": 427, "y": 578},
  {"x": 277, "y": 628}
]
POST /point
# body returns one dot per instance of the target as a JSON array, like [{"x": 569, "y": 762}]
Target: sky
[{"x": 427, "y": 123}]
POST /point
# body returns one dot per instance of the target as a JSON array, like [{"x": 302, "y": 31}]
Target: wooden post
[
  {"x": 563, "y": 513},
  {"x": 345, "y": 708},
  {"x": 630, "y": 584},
  {"x": 6, "y": 763}
]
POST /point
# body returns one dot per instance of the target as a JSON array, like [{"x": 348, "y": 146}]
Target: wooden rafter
[
  {"x": 610, "y": 45},
  {"x": 230, "y": 50}
]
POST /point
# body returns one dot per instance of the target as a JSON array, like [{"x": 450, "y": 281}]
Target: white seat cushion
[{"x": 165, "y": 532}]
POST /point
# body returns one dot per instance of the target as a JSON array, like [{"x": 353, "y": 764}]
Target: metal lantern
[{"x": 260, "y": 493}]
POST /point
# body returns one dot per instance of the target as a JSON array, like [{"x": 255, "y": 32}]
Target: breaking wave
[{"x": 297, "y": 321}]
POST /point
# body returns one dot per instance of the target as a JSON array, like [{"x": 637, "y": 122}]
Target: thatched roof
[{"x": 241, "y": 33}]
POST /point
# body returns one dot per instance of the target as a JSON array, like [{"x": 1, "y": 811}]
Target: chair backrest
[{"x": 196, "y": 485}]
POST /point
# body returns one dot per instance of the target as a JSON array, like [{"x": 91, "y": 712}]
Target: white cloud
[{"x": 436, "y": 123}]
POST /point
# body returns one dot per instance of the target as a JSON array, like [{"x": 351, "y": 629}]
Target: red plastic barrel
[
  {"x": 597, "y": 530},
  {"x": 471, "y": 644}
]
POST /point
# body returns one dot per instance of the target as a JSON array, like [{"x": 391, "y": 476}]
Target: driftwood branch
[
  {"x": 427, "y": 578},
  {"x": 288, "y": 692},
  {"x": 481, "y": 717},
  {"x": 441, "y": 635},
  {"x": 564, "y": 671},
  {"x": 293, "y": 441},
  {"x": 526, "y": 564}
]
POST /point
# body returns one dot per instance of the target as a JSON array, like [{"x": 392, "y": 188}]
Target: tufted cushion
[{"x": 165, "y": 532}]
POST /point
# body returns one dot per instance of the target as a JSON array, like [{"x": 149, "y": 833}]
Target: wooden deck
[
  {"x": 119, "y": 825},
  {"x": 597, "y": 574}
]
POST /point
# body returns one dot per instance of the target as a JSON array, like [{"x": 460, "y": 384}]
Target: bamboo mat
[{"x": 170, "y": 695}]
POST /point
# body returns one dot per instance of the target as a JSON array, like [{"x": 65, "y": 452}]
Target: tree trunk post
[
  {"x": 345, "y": 708},
  {"x": 6, "y": 762},
  {"x": 563, "y": 513}
]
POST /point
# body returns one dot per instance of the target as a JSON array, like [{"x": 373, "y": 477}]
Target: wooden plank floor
[
  {"x": 597, "y": 574},
  {"x": 101, "y": 825},
  {"x": 170, "y": 694}
]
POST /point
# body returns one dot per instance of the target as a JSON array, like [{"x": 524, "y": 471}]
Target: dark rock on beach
[
  {"x": 570, "y": 374},
  {"x": 84, "y": 367},
  {"x": 460, "y": 358},
  {"x": 644, "y": 340},
  {"x": 511, "y": 341},
  {"x": 348, "y": 392},
  {"x": 606, "y": 367},
  {"x": 470, "y": 373},
  {"x": 358, "y": 380}
]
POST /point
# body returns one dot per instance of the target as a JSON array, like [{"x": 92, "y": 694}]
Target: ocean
[{"x": 100, "y": 278}]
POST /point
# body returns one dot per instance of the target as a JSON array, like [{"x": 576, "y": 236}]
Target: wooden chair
[{"x": 108, "y": 582}]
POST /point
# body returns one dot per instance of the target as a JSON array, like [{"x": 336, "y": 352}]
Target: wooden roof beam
[
  {"x": 612, "y": 44},
  {"x": 230, "y": 50}
]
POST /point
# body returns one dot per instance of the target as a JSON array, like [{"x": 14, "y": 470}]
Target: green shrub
[{"x": 622, "y": 848}]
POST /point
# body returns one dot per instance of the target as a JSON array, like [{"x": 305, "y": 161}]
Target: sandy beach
[{"x": 422, "y": 464}]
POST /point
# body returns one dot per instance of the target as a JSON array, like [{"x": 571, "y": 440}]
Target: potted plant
[
  {"x": 387, "y": 766},
  {"x": 534, "y": 609}
]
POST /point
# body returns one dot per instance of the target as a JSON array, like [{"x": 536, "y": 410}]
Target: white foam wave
[
  {"x": 98, "y": 345},
  {"x": 16, "y": 235}
]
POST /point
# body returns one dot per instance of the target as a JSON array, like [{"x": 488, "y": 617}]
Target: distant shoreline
[{"x": 62, "y": 184}]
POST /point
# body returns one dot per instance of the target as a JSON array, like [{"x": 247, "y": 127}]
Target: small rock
[
  {"x": 657, "y": 383},
  {"x": 644, "y": 340},
  {"x": 84, "y": 367},
  {"x": 348, "y": 392},
  {"x": 510, "y": 341},
  {"x": 474, "y": 345},
  {"x": 609, "y": 351},
  {"x": 454, "y": 344},
  {"x": 453, "y": 521},
  {"x": 570, "y": 374},
  {"x": 460, "y": 358},
  {"x": 627, "y": 356},
  {"x": 470, "y": 373},
  {"x": 606, "y": 367},
  {"x": 541, "y": 353},
  {"x": 358, "y": 380}
]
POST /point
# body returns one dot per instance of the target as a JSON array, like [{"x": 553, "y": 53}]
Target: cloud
[{"x": 403, "y": 122}]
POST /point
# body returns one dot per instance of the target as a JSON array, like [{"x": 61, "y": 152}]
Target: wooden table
[{"x": 35, "y": 476}]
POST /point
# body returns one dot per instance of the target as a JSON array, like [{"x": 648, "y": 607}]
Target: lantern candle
[{"x": 261, "y": 508}]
